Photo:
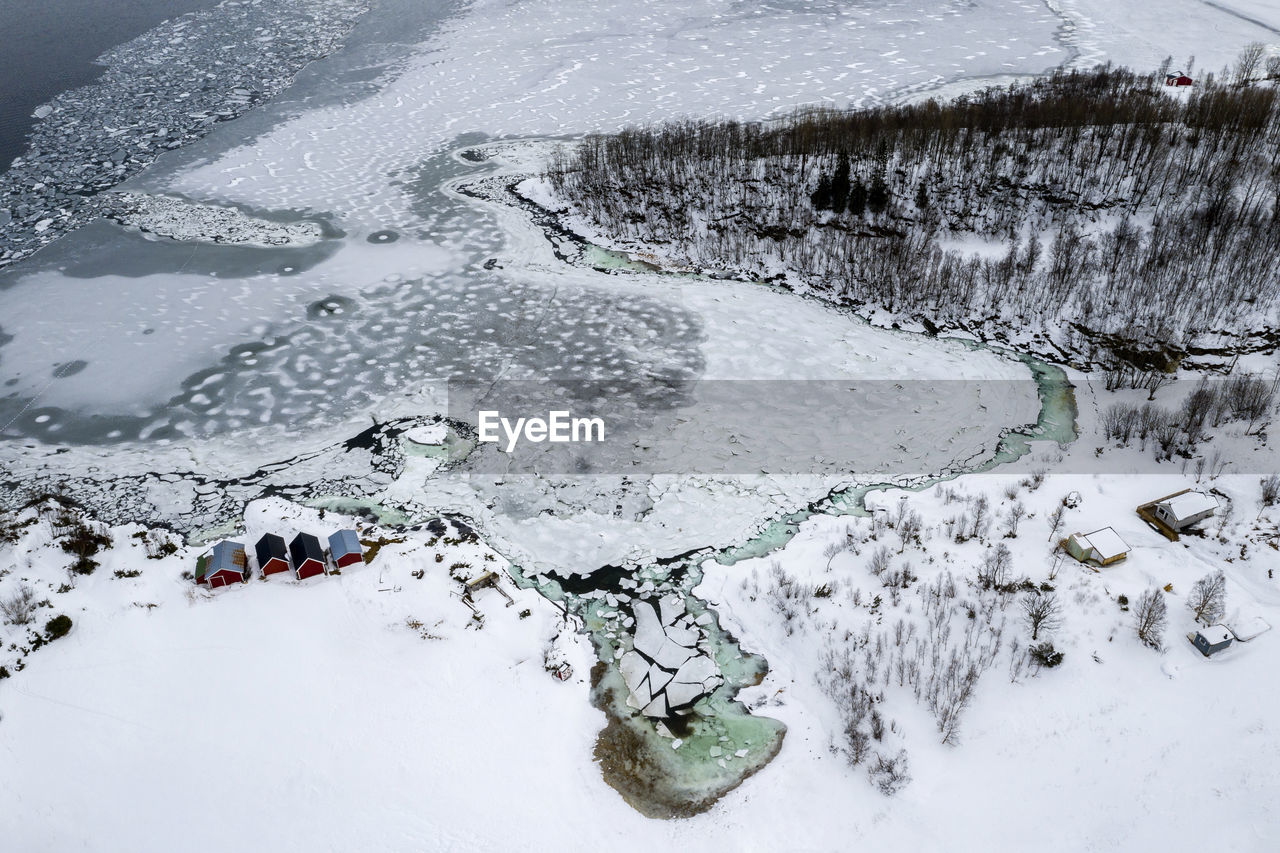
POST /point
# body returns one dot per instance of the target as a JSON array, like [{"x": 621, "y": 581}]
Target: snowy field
[
  {"x": 422, "y": 733},
  {"x": 179, "y": 360}
]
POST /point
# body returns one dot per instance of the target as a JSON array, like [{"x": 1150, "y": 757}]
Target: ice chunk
[
  {"x": 672, "y": 609},
  {"x": 649, "y": 637},
  {"x": 683, "y": 636},
  {"x": 698, "y": 670},
  {"x": 634, "y": 668},
  {"x": 658, "y": 678},
  {"x": 657, "y": 708},
  {"x": 427, "y": 433},
  {"x": 642, "y": 693},
  {"x": 680, "y": 694},
  {"x": 672, "y": 655}
]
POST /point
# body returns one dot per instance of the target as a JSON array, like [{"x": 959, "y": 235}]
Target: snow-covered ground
[
  {"x": 361, "y": 709},
  {"x": 313, "y": 715}
]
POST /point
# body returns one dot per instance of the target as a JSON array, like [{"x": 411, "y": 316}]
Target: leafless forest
[{"x": 1094, "y": 210}]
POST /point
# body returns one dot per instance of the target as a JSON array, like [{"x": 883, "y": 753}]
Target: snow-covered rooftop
[
  {"x": 1106, "y": 542},
  {"x": 1247, "y": 627},
  {"x": 1217, "y": 634},
  {"x": 1188, "y": 504}
]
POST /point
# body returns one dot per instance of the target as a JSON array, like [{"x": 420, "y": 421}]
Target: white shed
[
  {"x": 1183, "y": 510},
  {"x": 1103, "y": 546}
]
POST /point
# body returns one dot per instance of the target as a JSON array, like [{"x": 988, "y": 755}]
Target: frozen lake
[
  {"x": 128, "y": 354},
  {"x": 110, "y": 338}
]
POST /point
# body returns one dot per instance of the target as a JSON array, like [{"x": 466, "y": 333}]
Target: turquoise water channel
[{"x": 687, "y": 764}]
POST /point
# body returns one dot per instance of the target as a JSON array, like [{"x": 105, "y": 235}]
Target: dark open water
[{"x": 48, "y": 46}]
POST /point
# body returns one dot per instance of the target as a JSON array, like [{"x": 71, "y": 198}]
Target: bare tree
[
  {"x": 1016, "y": 514},
  {"x": 993, "y": 573},
  {"x": 1270, "y": 492},
  {"x": 1041, "y": 612},
  {"x": 878, "y": 564},
  {"x": 1151, "y": 615},
  {"x": 1055, "y": 519},
  {"x": 857, "y": 744},
  {"x": 954, "y": 685},
  {"x": 909, "y": 528},
  {"x": 833, "y": 550},
  {"x": 1248, "y": 61},
  {"x": 1208, "y": 598}
]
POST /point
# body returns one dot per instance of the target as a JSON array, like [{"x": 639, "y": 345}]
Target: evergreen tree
[
  {"x": 821, "y": 197},
  {"x": 840, "y": 185},
  {"x": 878, "y": 195},
  {"x": 922, "y": 197},
  {"x": 858, "y": 199}
]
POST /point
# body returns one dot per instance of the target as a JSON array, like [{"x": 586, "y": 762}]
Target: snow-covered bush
[
  {"x": 1044, "y": 654},
  {"x": 19, "y": 607},
  {"x": 889, "y": 774}
]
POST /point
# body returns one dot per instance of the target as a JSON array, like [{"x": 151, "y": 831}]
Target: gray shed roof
[
  {"x": 344, "y": 542},
  {"x": 225, "y": 556}
]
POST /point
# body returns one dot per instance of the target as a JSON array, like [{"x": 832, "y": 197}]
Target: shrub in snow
[
  {"x": 1270, "y": 490},
  {"x": 19, "y": 607},
  {"x": 57, "y": 627},
  {"x": 1044, "y": 654},
  {"x": 889, "y": 775},
  {"x": 83, "y": 540}
]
